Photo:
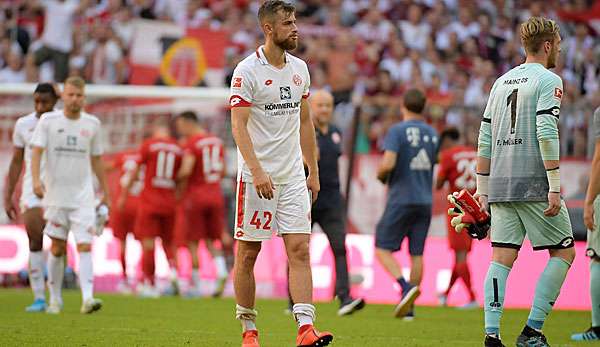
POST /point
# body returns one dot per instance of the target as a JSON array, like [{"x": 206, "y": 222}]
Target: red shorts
[
  {"x": 203, "y": 217},
  {"x": 151, "y": 223},
  {"x": 123, "y": 222},
  {"x": 458, "y": 241}
]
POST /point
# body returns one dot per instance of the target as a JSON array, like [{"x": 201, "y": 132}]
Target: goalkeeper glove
[{"x": 467, "y": 215}]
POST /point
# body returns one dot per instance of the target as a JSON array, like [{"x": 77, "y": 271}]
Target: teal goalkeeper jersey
[{"x": 523, "y": 109}]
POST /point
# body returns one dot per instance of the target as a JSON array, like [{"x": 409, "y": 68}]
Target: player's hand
[
  {"x": 38, "y": 190},
  {"x": 9, "y": 207},
  {"x": 263, "y": 184},
  {"x": 313, "y": 185},
  {"x": 483, "y": 202},
  {"x": 553, "y": 205},
  {"x": 588, "y": 216}
]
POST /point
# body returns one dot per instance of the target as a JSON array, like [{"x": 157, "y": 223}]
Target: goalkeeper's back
[{"x": 523, "y": 109}]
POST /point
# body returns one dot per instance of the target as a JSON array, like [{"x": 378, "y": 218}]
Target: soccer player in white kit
[
  {"x": 272, "y": 128},
  {"x": 44, "y": 98},
  {"x": 71, "y": 144}
]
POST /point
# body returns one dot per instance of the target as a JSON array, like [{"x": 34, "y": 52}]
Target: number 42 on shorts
[{"x": 257, "y": 221}]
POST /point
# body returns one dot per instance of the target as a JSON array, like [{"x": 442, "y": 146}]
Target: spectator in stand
[
  {"x": 13, "y": 72},
  {"x": 57, "y": 38},
  {"x": 105, "y": 63},
  {"x": 415, "y": 31}
]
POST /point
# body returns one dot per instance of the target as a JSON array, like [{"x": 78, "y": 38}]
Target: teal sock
[
  {"x": 595, "y": 292},
  {"x": 494, "y": 288},
  {"x": 547, "y": 290}
]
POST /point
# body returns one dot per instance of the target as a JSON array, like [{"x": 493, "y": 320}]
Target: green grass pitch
[{"x": 130, "y": 321}]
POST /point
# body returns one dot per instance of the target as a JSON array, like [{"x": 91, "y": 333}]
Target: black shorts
[{"x": 397, "y": 222}]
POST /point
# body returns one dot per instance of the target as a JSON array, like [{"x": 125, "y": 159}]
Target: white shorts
[
  {"x": 287, "y": 213},
  {"x": 29, "y": 200},
  {"x": 80, "y": 221}
]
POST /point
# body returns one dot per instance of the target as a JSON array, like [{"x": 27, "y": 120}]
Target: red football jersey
[
  {"x": 458, "y": 165},
  {"x": 162, "y": 159},
  {"x": 210, "y": 160}
]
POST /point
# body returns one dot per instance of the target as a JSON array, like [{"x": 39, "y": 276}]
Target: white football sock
[
  {"x": 86, "y": 275},
  {"x": 56, "y": 271},
  {"x": 304, "y": 314},
  {"x": 221, "y": 266},
  {"x": 36, "y": 275},
  {"x": 247, "y": 317}
]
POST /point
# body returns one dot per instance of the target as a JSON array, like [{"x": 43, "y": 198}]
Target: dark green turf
[{"x": 129, "y": 321}]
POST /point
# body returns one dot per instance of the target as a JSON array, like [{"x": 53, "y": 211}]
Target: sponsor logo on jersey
[
  {"x": 297, "y": 80},
  {"x": 239, "y": 233},
  {"x": 285, "y": 93},
  {"x": 268, "y": 82},
  {"x": 282, "y": 106},
  {"x": 558, "y": 93},
  {"x": 237, "y": 82}
]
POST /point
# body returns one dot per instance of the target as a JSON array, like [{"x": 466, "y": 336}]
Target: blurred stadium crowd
[{"x": 362, "y": 50}]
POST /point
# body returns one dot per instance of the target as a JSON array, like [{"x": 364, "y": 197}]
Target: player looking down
[
  {"x": 44, "y": 98},
  {"x": 519, "y": 176},
  {"x": 272, "y": 128},
  {"x": 71, "y": 144}
]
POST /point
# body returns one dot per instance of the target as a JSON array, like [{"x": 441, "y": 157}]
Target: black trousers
[{"x": 331, "y": 220}]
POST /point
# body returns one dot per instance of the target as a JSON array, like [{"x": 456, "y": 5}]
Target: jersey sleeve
[
  {"x": 444, "y": 166},
  {"x": 96, "y": 147},
  {"x": 242, "y": 88},
  {"x": 40, "y": 134},
  {"x": 392, "y": 140},
  {"x": 547, "y": 115},
  {"x": 17, "y": 136},
  {"x": 548, "y": 108},
  {"x": 306, "y": 91}
]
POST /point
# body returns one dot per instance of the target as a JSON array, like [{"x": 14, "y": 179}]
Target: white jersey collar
[{"x": 260, "y": 54}]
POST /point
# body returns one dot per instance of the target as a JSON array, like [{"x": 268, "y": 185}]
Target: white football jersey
[
  {"x": 274, "y": 96},
  {"x": 68, "y": 145},
  {"x": 22, "y": 134}
]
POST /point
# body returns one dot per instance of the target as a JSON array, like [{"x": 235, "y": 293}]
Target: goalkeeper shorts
[{"x": 511, "y": 221}]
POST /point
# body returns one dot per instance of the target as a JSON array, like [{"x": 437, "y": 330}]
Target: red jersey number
[
  {"x": 212, "y": 163},
  {"x": 467, "y": 170}
]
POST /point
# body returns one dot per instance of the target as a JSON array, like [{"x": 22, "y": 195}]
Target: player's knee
[
  {"x": 568, "y": 254},
  {"x": 247, "y": 254},
  {"x": 84, "y": 247},
  {"x": 504, "y": 256},
  {"x": 58, "y": 248},
  {"x": 298, "y": 253}
]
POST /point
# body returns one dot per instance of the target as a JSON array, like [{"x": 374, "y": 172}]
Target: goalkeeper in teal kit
[{"x": 518, "y": 175}]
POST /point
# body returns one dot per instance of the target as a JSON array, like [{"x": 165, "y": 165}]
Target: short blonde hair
[
  {"x": 537, "y": 30},
  {"x": 75, "y": 81}
]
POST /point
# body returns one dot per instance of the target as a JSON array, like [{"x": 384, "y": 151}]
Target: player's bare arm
[
  {"x": 36, "y": 160},
  {"x": 388, "y": 162},
  {"x": 593, "y": 190},
  {"x": 308, "y": 144},
  {"x": 14, "y": 171},
  {"x": 239, "y": 127},
  {"x": 98, "y": 168}
]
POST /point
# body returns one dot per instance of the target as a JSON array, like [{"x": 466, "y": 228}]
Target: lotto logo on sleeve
[
  {"x": 237, "y": 82},
  {"x": 558, "y": 93},
  {"x": 237, "y": 101}
]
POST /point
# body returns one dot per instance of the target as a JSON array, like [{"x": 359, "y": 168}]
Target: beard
[{"x": 287, "y": 44}]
